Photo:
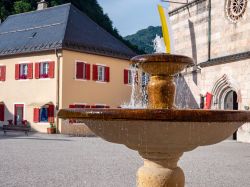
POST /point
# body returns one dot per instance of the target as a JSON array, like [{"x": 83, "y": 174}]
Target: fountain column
[
  {"x": 161, "y": 92},
  {"x": 161, "y": 170}
]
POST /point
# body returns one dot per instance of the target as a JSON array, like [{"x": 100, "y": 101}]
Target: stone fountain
[{"x": 161, "y": 133}]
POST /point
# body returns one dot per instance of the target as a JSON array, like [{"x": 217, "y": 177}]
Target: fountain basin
[
  {"x": 162, "y": 63},
  {"x": 157, "y": 130}
]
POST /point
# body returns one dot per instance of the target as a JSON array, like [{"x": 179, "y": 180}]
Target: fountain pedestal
[{"x": 160, "y": 170}]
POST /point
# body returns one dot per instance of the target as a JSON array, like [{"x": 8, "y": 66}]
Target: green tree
[
  {"x": 22, "y": 6},
  {"x": 144, "y": 38}
]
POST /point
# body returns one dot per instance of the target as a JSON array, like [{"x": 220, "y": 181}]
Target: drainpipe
[
  {"x": 58, "y": 55},
  {"x": 209, "y": 30}
]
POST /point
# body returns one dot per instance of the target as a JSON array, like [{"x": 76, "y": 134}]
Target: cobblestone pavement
[{"x": 57, "y": 160}]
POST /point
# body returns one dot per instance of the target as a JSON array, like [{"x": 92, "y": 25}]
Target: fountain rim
[
  {"x": 170, "y": 115},
  {"x": 162, "y": 58}
]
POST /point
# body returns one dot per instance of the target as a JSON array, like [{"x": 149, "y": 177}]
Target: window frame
[
  {"x": 42, "y": 74},
  {"x": 23, "y": 75},
  {"x": 102, "y": 68}
]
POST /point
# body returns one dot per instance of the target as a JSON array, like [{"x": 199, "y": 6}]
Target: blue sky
[{"x": 129, "y": 16}]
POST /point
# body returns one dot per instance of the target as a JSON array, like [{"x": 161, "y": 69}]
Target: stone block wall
[
  {"x": 190, "y": 30},
  {"x": 75, "y": 129}
]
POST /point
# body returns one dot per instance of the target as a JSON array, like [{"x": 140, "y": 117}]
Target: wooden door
[{"x": 18, "y": 114}]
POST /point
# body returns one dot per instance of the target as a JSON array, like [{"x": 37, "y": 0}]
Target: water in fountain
[
  {"x": 139, "y": 98},
  {"x": 159, "y": 45}
]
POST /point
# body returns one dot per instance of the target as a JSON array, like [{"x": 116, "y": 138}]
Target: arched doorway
[{"x": 230, "y": 103}]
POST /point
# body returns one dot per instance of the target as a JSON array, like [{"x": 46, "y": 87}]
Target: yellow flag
[{"x": 166, "y": 29}]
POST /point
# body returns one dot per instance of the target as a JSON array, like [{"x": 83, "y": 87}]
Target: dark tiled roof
[{"x": 61, "y": 27}]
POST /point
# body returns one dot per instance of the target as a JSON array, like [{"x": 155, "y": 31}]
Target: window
[
  {"x": 101, "y": 73},
  {"x": 24, "y": 71},
  {"x": 1, "y": 112},
  {"x": 145, "y": 79},
  {"x": 82, "y": 71},
  {"x": 44, "y": 69},
  {"x": 127, "y": 76},
  {"x": 2, "y": 73},
  {"x": 44, "y": 114}
]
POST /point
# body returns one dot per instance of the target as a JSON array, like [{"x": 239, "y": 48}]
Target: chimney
[{"x": 42, "y": 5}]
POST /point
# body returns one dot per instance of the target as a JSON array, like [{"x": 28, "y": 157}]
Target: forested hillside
[
  {"x": 143, "y": 39},
  {"x": 90, "y": 7}
]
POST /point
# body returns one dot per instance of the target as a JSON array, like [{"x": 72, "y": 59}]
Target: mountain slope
[{"x": 143, "y": 39}]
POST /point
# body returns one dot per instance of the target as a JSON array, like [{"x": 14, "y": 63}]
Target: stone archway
[
  {"x": 221, "y": 88},
  {"x": 226, "y": 95}
]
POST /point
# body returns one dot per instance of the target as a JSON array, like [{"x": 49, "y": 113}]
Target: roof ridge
[
  {"x": 37, "y": 11},
  {"x": 66, "y": 25},
  {"x": 32, "y": 28}
]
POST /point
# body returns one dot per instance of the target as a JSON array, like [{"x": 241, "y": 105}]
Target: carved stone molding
[{"x": 235, "y": 9}]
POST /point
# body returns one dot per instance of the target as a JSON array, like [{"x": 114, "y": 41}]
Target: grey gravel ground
[{"x": 57, "y": 160}]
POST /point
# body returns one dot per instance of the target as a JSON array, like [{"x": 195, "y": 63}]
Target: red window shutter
[
  {"x": 1, "y": 112},
  {"x": 125, "y": 76},
  {"x": 1, "y": 73},
  {"x": 51, "y": 69},
  {"x": 4, "y": 73},
  {"x": 36, "y": 117},
  {"x": 107, "y": 72},
  {"x": 87, "y": 71},
  {"x": 51, "y": 113},
  {"x": 37, "y": 70},
  {"x": 79, "y": 70},
  {"x": 72, "y": 106},
  {"x": 95, "y": 72},
  {"x": 93, "y": 106},
  {"x": 17, "y": 71},
  {"x": 30, "y": 71}
]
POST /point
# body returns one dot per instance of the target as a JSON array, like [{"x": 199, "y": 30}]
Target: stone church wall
[{"x": 190, "y": 30}]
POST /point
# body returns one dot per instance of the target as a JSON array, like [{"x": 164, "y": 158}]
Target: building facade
[
  {"x": 48, "y": 61},
  {"x": 216, "y": 34}
]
